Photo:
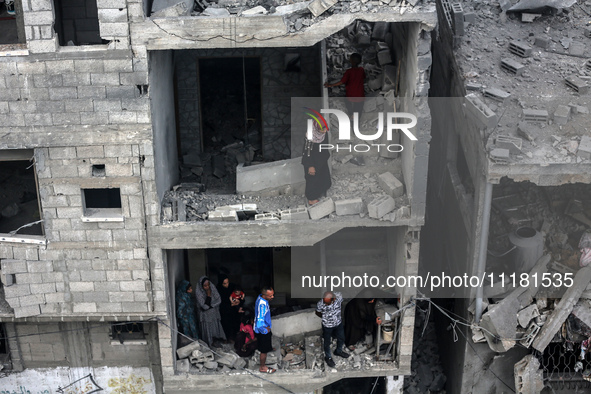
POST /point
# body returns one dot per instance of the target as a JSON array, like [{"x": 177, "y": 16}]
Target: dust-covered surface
[{"x": 559, "y": 50}]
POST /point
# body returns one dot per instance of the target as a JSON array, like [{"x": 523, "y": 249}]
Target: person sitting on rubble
[
  {"x": 329, "y": 309},
  {"x": 208, "y": 302},
  {"x": 246, "y": 342},
  {"x": 185, "y": 311},
  {"x": 353, "y": 79},
  {"x": 360, "y": 320},
  {"x": 262, "y": 327},
  {"x": 315, "y": 162}
]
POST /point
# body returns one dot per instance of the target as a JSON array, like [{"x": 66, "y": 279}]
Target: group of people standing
[
  {"x": 214, "y": 313},
  {"x": 209, "y": 312}
]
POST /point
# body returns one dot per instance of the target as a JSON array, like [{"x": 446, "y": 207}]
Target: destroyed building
[
  {"x": 145, "y": 142},
  {"x": 509, "y": 176}
]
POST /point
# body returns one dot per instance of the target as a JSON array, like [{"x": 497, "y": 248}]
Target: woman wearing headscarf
[
  {"x": 208, "y": 303},
  {"x": 230, "y": 307},
  {"x": 185, "y": 310},
  {"x": 315, "y": 162},
  {"x": 360, "y": 319}
]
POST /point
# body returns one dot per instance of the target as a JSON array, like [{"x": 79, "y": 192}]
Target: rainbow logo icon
[{"x": 318, "y": 118}]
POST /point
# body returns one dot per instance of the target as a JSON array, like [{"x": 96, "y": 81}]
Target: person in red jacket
[{"x": 353, "y": 79}]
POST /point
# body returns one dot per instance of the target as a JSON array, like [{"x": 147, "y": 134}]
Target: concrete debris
[
  {"x": 390, "y": 184},
  {"x": 171, "y": 8},
  {"x": 216, "y": 12},
  {"x": 525, "y": 316},
  {"x": 501, "y": 320},
  {"x": 181, "y": 8},
  {"x": 529, "y": 377},
  {"x": 480, "y": 112},
  {"x": 563, "y": 309},
  {"x": 321, "y": 209},
  {"x": 290, "y": 9},
  {"x": 540, "y": 5},
  {"x": 513, "y": 144},
  {"x": 584, "y": 150},
  {"x": 258, "y": 10},
  {"x": 318, "y": 7}
]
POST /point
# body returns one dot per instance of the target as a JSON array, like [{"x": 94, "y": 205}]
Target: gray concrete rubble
[
  {"x": 189, "y": 202},
  {"x": 529, "y": 377},
  {"x": 291, "y": 356},
  {"x": 522, "y": 54}
]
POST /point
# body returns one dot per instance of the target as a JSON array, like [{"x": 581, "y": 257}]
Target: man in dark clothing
[
  {"x": 360, "y": 319},
  {"x": 329, "y": 309}
]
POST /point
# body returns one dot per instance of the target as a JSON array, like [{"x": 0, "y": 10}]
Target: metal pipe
[{"x": 483, "y": 246}]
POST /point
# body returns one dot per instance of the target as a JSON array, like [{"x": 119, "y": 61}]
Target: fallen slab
[
  {"x": 563, "y": 309},
  {"x": 500, "y": 322},
  {"x": 529, "y": 377}
]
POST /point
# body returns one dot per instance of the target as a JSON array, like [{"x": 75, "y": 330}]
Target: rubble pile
[
  {"x": 293, "y": 356},
  {"x": 378, "y": 197},
  {"x": 301, "y": 14},
  {"x": 426, "y": 371},
  {"x": 306, "y": 354},
  {"x": 198, "y": 357},
  {"x": 527, "y": 75},
  {"x": 561, "y": 214}
]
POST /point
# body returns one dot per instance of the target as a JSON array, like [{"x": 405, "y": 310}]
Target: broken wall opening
[
  {"x": 20, "y": 201},
  {"x": 211, "y": 136},
  {"x": 76, "y": 22},
  {"x": 554, "y": 216},
  {"x": 230, "y": 94},
  {"x": 389, "y": 58},
  {"x": 295, "y": 326}
]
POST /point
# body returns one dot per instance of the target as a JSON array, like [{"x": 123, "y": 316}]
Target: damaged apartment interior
[{"x": 150, "y": 142}]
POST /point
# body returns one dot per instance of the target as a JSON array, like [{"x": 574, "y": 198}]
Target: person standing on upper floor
[{"x": 354, "y": 80}]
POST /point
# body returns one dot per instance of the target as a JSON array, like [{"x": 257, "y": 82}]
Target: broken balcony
[
  {"x": 184, "y": 24},
  {"x": 299, "y": 356},
  {"x": 233, "y": 157}
]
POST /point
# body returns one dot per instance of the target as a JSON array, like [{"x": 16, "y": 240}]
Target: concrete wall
[
  {"x": 413, "y": 43},
  {"x": 454, "y": 213},
  {"x": 297, "y": 323},
  {"x": 163, "y": 120},
  {"x": 45, "y": 345},
  {"x": 104, "y": 379},
  {"x": 278, "y": 87},
  {"x": 93, "y": 114},
  {"x": 112, "y": 17}
]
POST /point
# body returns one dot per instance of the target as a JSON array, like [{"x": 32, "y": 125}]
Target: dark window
[
  {"x": 98, "y": 170},
  {"x": 102, "y": 198},
  {"x": 76, "y": 22},
  {"x": 19, "y": 205}
]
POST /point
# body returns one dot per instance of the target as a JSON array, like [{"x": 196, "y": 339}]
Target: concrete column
[{"x": 394, "y": 384}]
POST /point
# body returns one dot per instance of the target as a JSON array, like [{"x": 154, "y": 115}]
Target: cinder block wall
[
  {"x": 76, "y": 110},
  {"x": 44, "y": 345}
]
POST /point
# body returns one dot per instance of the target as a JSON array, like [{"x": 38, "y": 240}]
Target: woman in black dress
[
  {"x": 315, "y": 162},
  {"x": 230, "y": 308}
]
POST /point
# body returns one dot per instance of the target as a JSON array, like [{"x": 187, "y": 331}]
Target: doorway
[{"x": 230, "y": 101}]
